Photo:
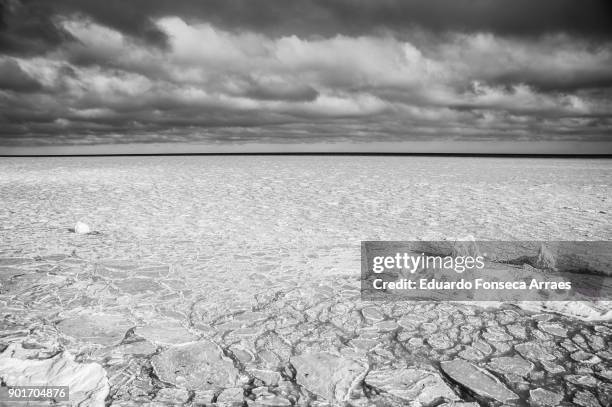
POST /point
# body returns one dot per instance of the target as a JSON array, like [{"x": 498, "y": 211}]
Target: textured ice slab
[
  {"x": 477, "y": 380},
  {"x": 415, "y": 386},
  {"x": 195, "y": 366},
  {"x": 330, "y": 376},
  {"x": 87, "y": 382}
]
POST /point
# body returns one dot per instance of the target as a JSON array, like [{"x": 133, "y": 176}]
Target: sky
[{"x": 311, "y": 75}]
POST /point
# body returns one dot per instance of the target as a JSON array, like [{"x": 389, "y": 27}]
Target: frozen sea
[
  {"x": 251, "y": 265},
  {"x": 172, "y": 208}
]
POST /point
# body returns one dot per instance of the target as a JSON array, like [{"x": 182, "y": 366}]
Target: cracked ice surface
[{"x": 226, "y": 281}]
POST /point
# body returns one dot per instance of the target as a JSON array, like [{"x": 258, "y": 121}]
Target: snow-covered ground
[
  {"x": 251, "y": 265},
  {"x": 173, "y": 208}
]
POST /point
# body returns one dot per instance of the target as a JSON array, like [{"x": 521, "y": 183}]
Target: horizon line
[{"x": 357, "y": 153}]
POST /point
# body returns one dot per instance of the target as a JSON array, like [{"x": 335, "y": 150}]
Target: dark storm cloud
[
  {"x": 30, "y": 26},
  {"x": 299, "y": 93},
  {"x": 547, "y": 83},
  {"x": 517, "y": 17},
  {"x": 115, "y": 71},
  {"x": 28, "y": 29},
  {"x": 354, "y": 17},
  {"x": 12, "y": 77},
  {"x": 129, "y": 17}
]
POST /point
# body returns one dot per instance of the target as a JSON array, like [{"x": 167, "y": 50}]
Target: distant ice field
[{"x": 175, "y": 209}]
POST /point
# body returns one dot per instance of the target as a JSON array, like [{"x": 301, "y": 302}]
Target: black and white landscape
[{"x": 225, "y": 280}]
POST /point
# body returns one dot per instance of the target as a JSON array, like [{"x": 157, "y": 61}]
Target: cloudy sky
[{"x": 306, "y": 75}]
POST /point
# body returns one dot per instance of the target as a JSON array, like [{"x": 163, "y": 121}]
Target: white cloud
[{"x": 458, "y": 84}]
